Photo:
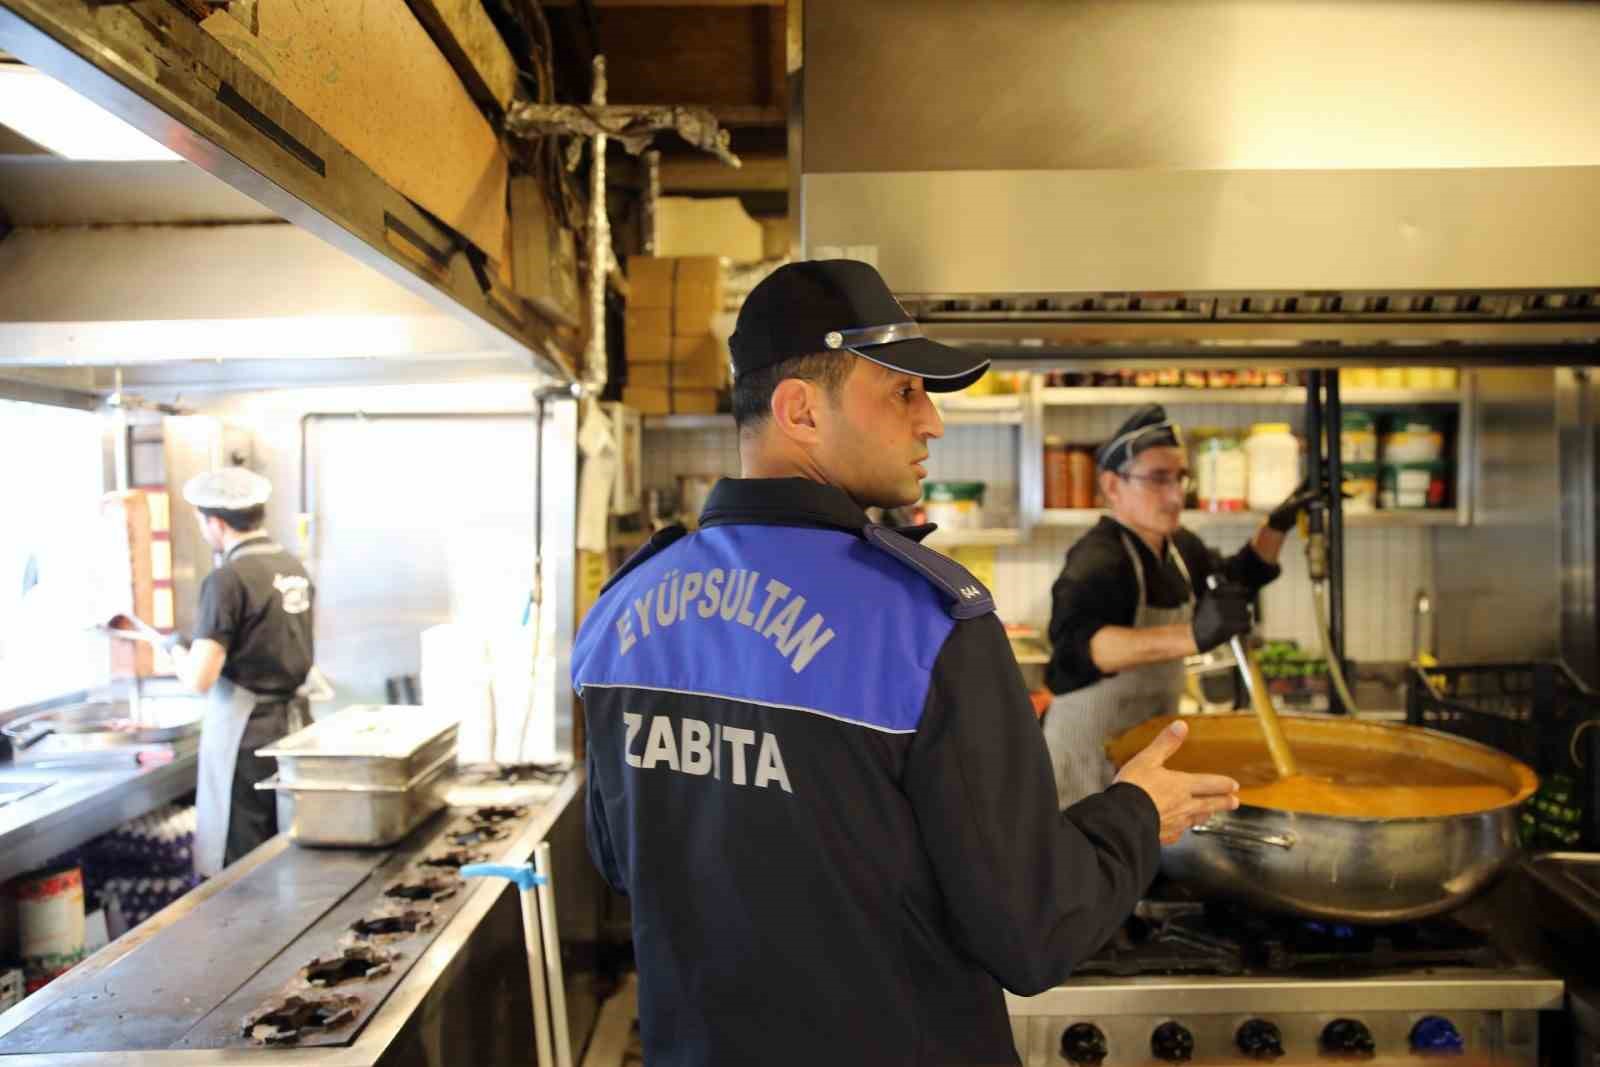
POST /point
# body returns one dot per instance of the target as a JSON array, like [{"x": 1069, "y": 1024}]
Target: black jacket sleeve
[
  {"x": 1096, "y": 588},
  {"x": 1244, "y": 567},
  {"x": 1030, "y": 891}
]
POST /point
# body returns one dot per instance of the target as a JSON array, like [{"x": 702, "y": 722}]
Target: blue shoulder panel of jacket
[
  {"x": 662, "y": 538},
  {"x": 968, "y": 597}
]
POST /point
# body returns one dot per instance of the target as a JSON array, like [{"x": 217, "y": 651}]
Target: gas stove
[{"x": 1184, "y": 981}]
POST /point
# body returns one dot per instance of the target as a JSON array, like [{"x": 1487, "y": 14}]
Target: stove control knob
[
  {"x": 1083, "y": 1044},
  {"x": 1435, "y": 1033},
  {"x": 1347, "y": 1037},
  {"x": 1260, "y": 1040},
  {"x": 1173, "y": 1043}
]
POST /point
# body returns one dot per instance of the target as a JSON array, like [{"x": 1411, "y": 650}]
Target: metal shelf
[
  {"x": 1196, "y": 520},
  {"x": 997, "y": 536},
  {"x": 1000, "y": 410},
  {"x": 1099, "y": 396}
]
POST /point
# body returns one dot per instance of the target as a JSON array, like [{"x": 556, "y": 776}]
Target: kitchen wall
[
  {"x": 1495, "y": 585},
  {"x": 417, "y": 521}
]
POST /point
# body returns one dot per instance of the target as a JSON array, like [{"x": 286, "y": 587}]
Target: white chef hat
[{"x": 230, "y": 489}]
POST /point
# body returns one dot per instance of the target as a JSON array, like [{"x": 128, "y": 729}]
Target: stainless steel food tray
[
  {"x": 354, "y": 815},
  {"x": 366, "y": 745}
]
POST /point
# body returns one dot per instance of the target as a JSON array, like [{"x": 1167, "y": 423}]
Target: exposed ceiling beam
[{"x": 688, "y": 174}]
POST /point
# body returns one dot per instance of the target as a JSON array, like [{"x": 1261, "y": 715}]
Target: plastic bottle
[
  {"x": 1273, "y": 452},
  {"x": 1221, "y": 474}
]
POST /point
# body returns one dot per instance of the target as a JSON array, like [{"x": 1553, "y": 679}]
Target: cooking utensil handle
[
  {"x": 1260, "y": 700},
  {"x": 552, "y": 954},
  {"x": 1226, "y": 832}
]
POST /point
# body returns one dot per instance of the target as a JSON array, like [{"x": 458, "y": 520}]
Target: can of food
[
  {"x": 954, "y": 505},
  {"x": 50, "y": 923},
  {"x": 1414, "y": 485}
]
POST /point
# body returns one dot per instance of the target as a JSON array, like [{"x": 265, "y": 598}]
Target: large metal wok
[{"x": 1364, "y": 870}]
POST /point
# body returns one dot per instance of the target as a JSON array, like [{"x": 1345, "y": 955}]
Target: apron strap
[{"x": 1138, "y": 567}]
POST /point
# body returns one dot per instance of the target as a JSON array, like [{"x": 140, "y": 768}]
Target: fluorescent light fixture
[{"x": 53, "y": 116}]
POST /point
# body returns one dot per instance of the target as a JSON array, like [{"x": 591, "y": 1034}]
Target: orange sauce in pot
[{"x": 1347, "y": 768}]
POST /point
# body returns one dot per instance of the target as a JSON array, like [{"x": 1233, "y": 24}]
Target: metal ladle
[{"x": 1261, "y": 701}]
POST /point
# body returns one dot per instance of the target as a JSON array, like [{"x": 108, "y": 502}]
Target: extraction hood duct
[
  {"x": 1308, "y": 182},
  {"x": 168, "y": 273}
]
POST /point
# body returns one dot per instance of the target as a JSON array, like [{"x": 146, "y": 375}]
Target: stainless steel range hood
[{"x": 1307, "y": 182}]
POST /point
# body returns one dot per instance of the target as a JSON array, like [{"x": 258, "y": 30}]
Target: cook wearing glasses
[{"x": 1131, "y": 601}]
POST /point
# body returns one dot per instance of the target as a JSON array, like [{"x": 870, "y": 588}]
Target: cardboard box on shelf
[
  {"x": 675, "y": 376},
  {"x": 689, "y": 286},
  {"x": 655, "y": 401},
  {"x": 647, "y": 334}
]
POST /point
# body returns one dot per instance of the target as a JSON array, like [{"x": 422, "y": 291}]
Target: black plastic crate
[{"x": 1532, "y": 711}]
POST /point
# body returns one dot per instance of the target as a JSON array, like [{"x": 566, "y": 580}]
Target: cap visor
[{"x": 942, "y": 369}]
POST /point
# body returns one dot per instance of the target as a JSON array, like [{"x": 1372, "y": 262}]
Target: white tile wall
[{"x": 1384, "y": 567}]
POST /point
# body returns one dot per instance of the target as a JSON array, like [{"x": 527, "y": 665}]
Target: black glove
[
  {"x": 1224, "y": 612},
  {"x": 1282, "y": 517}
]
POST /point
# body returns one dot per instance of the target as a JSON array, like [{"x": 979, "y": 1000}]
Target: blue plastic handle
[{"x": 521, "y": 873}]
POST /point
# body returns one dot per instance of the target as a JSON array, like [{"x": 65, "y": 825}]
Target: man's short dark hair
[
  {"x": 752, "y": 390},
  {"x": 239, "y": 520}
]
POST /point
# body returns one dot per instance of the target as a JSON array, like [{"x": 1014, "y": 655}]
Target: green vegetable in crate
[{"x": 1552, "y": 817}]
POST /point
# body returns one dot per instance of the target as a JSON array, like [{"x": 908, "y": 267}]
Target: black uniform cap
[
  {"x": 1148, "y": 427},
  {"x": 842, "y": 305}
]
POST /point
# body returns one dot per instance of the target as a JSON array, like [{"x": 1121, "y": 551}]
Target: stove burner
[
  {"x": 488, "y": 816},
  {"x": 478, "y": 835},
  {"x": 285, "y": 1020},
  {"x": 360, "y": 961},
  {"x": 1186, "y": 937},
  {"x": 402, "y": 923},
  {"x": 430, "y": 888},
  {"x": 454, "y": 859},
  {"x": 531, "y": 772}
]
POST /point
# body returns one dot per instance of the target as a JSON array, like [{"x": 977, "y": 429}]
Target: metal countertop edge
[
  {"x": 1508, "y": 990},
  {"x": 383, "y": 1026}
]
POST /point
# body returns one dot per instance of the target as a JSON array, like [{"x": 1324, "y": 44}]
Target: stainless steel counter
[
  {"x": 154, "y": 995},
  {"x": 60, "y": 806}
]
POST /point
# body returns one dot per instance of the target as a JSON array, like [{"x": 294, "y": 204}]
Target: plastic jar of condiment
[
  {"x": 954, "y": 505},
  {"x": 1360, "y": 488},
  {"x": 1273, "y": 454},
  {"x": 1081, "y": 479},
  {"x": 1415, "y": 485},
  {"x": 1358, "y": 437},
  {"x": 1221, "y": 474},
  {"x": 1057, "y": 473},
  {"x": 1413, "y": 436}
]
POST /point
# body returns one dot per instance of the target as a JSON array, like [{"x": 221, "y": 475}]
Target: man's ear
[
  {"x": 794, "y": 410},
  {"x": 1109, "y": 487}
]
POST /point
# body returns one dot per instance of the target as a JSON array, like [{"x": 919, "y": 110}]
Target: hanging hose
[{"x": 1319, "y": 597}]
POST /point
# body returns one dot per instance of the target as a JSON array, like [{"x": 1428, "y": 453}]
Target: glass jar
[{"x": 1057, "y": 473}]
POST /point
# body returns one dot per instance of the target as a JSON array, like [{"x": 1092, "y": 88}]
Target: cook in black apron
[
  {"x": 1139, "y": 579},
  {"x": 251, "y": 653}
]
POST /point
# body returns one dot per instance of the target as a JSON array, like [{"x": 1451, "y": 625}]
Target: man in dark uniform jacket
[
  {"x": 252, "y": 650},
  {"x": 812, "y": 762}
]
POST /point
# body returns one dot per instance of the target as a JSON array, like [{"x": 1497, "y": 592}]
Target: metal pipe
[
  {"x": 552, "y": 955},
  {"x": 594, "y": 360},
  {"x": 652, "y": 198},
  {"x": 1333, "y": 411}
]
